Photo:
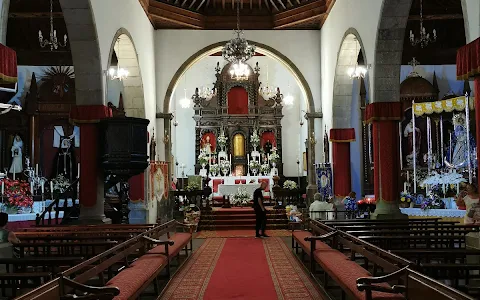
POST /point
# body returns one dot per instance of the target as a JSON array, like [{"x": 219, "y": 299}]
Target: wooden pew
[
  {"x": 143, "y": 257},
  {"x": 103, "y": 227}
]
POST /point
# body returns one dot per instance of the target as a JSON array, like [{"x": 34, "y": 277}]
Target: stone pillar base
[{"x": 387, "y": 211}]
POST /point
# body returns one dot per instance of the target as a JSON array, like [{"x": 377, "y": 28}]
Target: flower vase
[
  {"x": 12, "y": 210},
  {"x": 254, "y": 171},
  {"x": 203, "y": 166}
]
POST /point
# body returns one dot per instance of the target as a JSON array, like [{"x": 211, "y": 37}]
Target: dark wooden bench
[
  {"x": 105, "y": 227},
  {"x": 75, "y": 248},
  {"x": 391, "y": 242},
  {"x": 324, "y": 245},
  {"x": 18, "y": 282},
  {"x": 124, "y": 271}
]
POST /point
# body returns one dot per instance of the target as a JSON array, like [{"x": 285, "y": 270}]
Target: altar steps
[{"x": 240, "y": 218}]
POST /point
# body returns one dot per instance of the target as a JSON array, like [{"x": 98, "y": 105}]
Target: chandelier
[
  {"x": 207, "y": 93},
  {"x": 266, "y": 91},
  {"x": 356, "y": 72},
  {"x": 53, "y": 42},
  {"x": 185, "y": 102},
  {"x": 238, "y": 51},
  {"x": 118, "y": 73},
  {"x": 424, "y": 38}
]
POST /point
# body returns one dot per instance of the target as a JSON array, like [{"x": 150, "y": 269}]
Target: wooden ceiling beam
[
  {"x": 251, "y": 4},
  {"x": 183, "y": 3},
  {"x": 200, "y": 5},
  {"x": 300, "y": 15},
  {"x": 273, "y": 5},
  {"x": 281, "y": 3},
  {"x": 29, "y": 15},
  {"x": 436, "y": 17},
  {"x": 177, "y": 15},
  {"x": 290, "y": 3},
  {"x": 248, "y": 22},
  {"x": 191, "y": 4},
  {"x": 223, "y": 4},
  {"x": 267, "y": 5}
]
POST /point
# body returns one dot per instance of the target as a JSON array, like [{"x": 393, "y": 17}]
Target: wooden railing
[{"x": 56, "y": 208}]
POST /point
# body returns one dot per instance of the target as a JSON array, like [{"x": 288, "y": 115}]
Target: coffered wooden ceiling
[{"x": 221, "y": 14}]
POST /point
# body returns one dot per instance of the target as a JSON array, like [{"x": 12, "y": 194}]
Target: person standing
[{"x": 260, "y": 211}]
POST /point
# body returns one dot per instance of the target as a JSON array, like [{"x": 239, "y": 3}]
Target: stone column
[
  {"x": 342, "y": 177},
  {"x": 312, "y": 141},
  {"x": 165, "y": 138},
  {"x": 4, "y": 8},
  {"x": 386, "y": 156},
  {"x": 92, "y": 193}
]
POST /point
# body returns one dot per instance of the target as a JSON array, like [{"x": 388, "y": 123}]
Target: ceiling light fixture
[
  {"x": 118, "y": 73},
  {"x": 424, "y": 38},
  {"x": 53, "y": 42},
  {"x": 267, "y": 91},
  {"x": 357, "y": 72},
  {"x": 185, "y": 102}
]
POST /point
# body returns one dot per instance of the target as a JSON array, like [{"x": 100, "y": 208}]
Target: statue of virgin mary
[{"x": 17, "y": 146}]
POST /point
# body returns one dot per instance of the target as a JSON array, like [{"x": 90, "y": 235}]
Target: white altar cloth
[
  {"x": 232, "y": 189},
  {"x": 440, "y": 213},
  {"x": 231, "y": 179},
  {"x": 30, "y": 217}
]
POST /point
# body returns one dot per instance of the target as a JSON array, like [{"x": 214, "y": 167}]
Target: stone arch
[
  {"x": 83, "y": 39},
  {"x": 343, "y": 85},
  {"x": 261, "y": 48},
  {"x": 133, "y": 97}
]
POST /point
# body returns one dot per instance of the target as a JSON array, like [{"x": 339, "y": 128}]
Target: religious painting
[
  {"x": 324, "y": 181},
  {"x": 237, "y": 98},
  {"x": 159, "y": 181},
  {"x": 208, "y": 144}
]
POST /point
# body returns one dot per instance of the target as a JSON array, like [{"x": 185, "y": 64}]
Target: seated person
[
  {"x": 351, "y": 206},
  {"x": 7, "y": 238},
  {"x": 321, "y": 209}
]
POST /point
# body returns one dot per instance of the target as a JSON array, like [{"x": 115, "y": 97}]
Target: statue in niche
[
  {"x": 459, "y": 157},
  {"x": 65, "y": 162},
  {"x": 153, "y": 147},
  {"x": 268, "y": 147},
  {"x": 17, "y": 147},
  {"x": 207, "y": 147},
  {"x": 408, "y": 133}
]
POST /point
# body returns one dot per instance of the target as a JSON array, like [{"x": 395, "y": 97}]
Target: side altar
[{"x": 238, "y": 126}]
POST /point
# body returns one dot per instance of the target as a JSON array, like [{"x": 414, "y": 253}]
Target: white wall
[
  {"x": 471, "y": 17},
  {"x": 4, "y": 5},
  {"x": 202, "y": 74}
]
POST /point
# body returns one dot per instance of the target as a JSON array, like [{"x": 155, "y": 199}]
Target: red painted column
[
  {"x": 342, "y": 176},
  {"x": 385, "y": 117},
  {"x": 477, "y": 121},
  {"x": 87, "y": 117}
]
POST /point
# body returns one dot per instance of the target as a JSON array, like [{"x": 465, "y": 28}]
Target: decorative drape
[
  {"x": 342, "y": 178},
  {"x": 86, "y": 116},
  {"x": 137, "y": 188},
  {"x": 385, "y": 117},
  {"x": 237, "y": 101},
  {"x": 8, "y": 65},
  {"x": 448, "y": 105},
  {"x": 159, "y": 181}
]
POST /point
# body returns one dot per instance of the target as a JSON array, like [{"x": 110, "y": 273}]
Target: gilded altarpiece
[{"x": 238, "y": 109}]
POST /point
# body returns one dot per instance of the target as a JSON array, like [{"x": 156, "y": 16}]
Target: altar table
[
  {"x": 232, "y": 189},
  {"x": 445, "y": 214}
]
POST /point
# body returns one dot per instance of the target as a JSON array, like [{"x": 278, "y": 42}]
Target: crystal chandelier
[
  {"x": 356, "y": 72},
  {"x": 118, "y": 73},
  {"x": 185, "y": 102},
  {"x": 424, "y": 38},
  {"x": 266, "y": 91},
  {"x": 53, "y": 42},
  {"x": 238, "y": 51}
]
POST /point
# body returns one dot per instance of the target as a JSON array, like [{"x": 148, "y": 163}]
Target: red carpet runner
[{"x": 242, "y": 268}]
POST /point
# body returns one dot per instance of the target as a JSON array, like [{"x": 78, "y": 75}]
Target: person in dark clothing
[{"x": 260, "y": 212}]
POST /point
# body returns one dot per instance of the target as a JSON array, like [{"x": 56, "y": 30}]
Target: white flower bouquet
[
  {"x": 254, "y": 165},
  {"x": 274, "y": 157},
  {"x": 214, "y": 169},
  {"x": 224, "y": 166},
  {"x": 60, "y": 184},
  {"x": 290, "y": 185},
  {"x": 241, "y": 198},
  {"x": 255, "y": 139},
  {"x": 265, "y": 168},
  {"x": 202, "y": 158},
  {"x": 222, "y": 140}
]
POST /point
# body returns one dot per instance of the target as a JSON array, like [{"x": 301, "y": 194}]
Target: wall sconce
[{"x": 312, "y": 139}]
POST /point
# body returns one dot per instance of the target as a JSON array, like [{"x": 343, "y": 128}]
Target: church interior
[{"x": 213, "y": 149}]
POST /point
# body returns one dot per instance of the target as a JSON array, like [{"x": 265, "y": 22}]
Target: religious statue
[
  {"x": 268, "y": 147},
  {"x": 326, "y": 147},
  {"x": 153, "y": 147},
  {"x": 207, "y": 147},
  {"x": 65, "y": 161},
  {"x": 459, "y": 158},
  {"x": 408, "y": 133},
  {"x": 17, "y": 146}
]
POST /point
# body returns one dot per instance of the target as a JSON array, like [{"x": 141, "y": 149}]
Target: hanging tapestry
[
  {"x": 324, "y": 180},
  {"x": 159, "y": 182}
]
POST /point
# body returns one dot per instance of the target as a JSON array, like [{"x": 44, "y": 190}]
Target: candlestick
[
  {"x": 3, "y": 188},
  {"x": 43, "y": 187}
]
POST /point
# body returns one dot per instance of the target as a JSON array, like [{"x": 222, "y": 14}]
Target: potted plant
[
  {"x": 290, "y": 185},
  {"x": 254, "y": 166},
  {"x": 18, "y": 195}
]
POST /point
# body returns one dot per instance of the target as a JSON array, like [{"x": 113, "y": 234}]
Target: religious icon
[
  {"x": 17, "y": 146},
  {"x": 408, "y": 133},
  {"x": 207, "y": 147},
  {"x": 153, "y": 147}
]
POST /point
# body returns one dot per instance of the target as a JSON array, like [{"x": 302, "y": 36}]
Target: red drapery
[
  {"x": 268, "y": 136},
  {"x": 342, "y": 176},
  {"x": 8, "y": 65},
  {"x": 468, "y": 66},
  {"x": 137, "y": 187},
  {"x": 237, "y": 101},
  {"x": 385, "y": 117},
  {"x": 86, "y": 117}
]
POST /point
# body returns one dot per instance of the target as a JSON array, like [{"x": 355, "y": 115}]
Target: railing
[
  {"x": 40, "y": 219},
  {"x": 334, "y": 214}
]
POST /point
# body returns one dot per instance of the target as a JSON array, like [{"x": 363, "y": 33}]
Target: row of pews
[
  {"x": 390, "y": 259},
  {"x": 93, "y": 261}
]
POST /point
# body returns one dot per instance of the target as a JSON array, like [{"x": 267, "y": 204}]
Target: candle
[
  {"x": 36, "y": 170},
  {"x": 450, "y": 150},
  {"x": 408, "y": 176},
  {"x": 31, "y": 188},
  {"x": 405, "y": 187},
  {"x": 13, "y": 171},
  {"x": 3, "y": 187},
  {"x": 51, "y": 188},
  {"x": 78, "y": 170},
  {"x": 458, "y": 188},
  {"x": 43, "y": 187}
]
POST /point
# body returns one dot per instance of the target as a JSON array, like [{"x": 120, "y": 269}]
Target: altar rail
[{"x": 45, "y": 218}]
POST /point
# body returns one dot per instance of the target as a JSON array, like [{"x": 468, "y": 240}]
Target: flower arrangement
[
  {"x": 60, "y": 184},
  {"x": 255, "y": 139},
  {"x": 192, "y": 186},
  {"x": 202, "y": 158},
  {"x": 433, "y": 201},
  {"x": 274, "y": 157},
  {"x": 214, "y": 169},
  {"x": 254, "y": 165},
  {"x": 222, "y": 140},
  {"x": 241, "y": 198},
  {"x": 289, "y": 185},
  {"x": 265, "y": 168},
  {"x": 406, "y": 197},
  {"x": 18, "y": 193},
  {"x": 224, "y": 166}
]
